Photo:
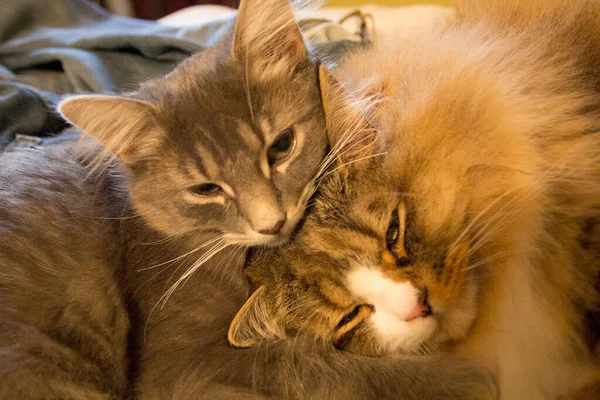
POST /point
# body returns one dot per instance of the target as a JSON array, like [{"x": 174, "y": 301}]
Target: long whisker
[
  {"x": 166, "y": 239},
  {"x": 492, "y": 226},
  {"x": 220, "y": 245},
  {"x": 355, "y": 161},
  {"x": 132, "y": 216},
  {"x": 481, "y": 214},
  {"x": 489, "y": 259},
  {"x": 346, "y": 144},
  {"x": 228, "y": 261},
  {"x": 247, "y": 88},
  {"x": 342, "y": 145},
  {"x": 183, "y": 255},
  {"x": 498, "y": 220},
  {"x": 210, "y": 253}
]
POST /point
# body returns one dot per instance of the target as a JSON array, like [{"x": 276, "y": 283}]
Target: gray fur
[
  {"x": 65, "y": 325},
  {"x": 111, "y": 284}
]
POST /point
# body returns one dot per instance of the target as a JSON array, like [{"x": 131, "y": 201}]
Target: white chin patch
[
  {"x": 401, "y": 336},
  {"x": 393, "y": 302}
]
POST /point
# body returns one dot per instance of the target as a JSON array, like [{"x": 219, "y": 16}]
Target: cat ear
[
  {"x": 127, "y": 127},
  {"x": 348, "y": 130},
  {"x": 254, "y": 322},
  {"x": 267, "y": 30}
]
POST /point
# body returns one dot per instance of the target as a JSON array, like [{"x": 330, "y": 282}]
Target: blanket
[{"x": 52, "y": 48}]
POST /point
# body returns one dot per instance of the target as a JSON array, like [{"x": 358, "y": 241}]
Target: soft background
[
  {"x": 155, "y": 9},
  {"x": 394, "y": 3}
]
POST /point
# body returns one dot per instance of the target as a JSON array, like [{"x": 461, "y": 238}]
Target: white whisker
[
  {"x": 355, "y": 161},
  {"x": 220, "y": 245},
  {"x": 247, "y": 88},
  {"x": 183, "y": 255}
]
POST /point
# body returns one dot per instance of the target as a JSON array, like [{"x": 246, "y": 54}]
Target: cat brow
[
  {"x": 200, "y": 166},
  {"x": 363, "y": 229},
  {"x": 309, "y": 115},
  {"x": 301, "y": 120}
]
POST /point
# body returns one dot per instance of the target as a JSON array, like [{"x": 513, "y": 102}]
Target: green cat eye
[
  {"x": 393, "y": 231},
  {"x": 281, "y": 147},
  {"x": 205, "y": 189}
]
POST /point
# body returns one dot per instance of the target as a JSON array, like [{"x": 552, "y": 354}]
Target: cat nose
[
  {"x": 275, "y": 229},
  {"x": 421, "y": 309}
]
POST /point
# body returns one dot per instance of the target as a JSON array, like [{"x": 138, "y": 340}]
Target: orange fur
[{"x": 488, "y": 136}]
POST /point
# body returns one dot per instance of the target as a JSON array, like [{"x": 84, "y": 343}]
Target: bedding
[
  {"x": 50, "y": 48},
  {"x": 384, "y": 20}
]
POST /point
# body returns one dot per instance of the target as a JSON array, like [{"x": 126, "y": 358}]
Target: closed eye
[
  {"x": 393, "y": 231},
  {"x": 206, "y": 189},
  {"x": 394, "y": 236},
  {"x": 349, "y": 323},
  {"x": 349, "y": 317}
]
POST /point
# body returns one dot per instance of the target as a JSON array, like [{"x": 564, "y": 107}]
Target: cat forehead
[
  {"x": 435, "y": 207},
  {"x": 212, "y": 82},
  {"x": 225, "y": 106}
]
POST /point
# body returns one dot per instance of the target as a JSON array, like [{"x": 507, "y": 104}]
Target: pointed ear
[
  {"x": 254, "y": 322},
  {"x": 348, "y": 130},
  {"x": 127, "y": 127},
  {"x": 267, "y": 30}
]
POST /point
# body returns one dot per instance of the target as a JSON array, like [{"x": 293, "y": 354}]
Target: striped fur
[{"x": 489, "y": 127}]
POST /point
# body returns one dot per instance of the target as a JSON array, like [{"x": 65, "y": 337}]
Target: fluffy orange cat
[{"x": 462, "y": 210}]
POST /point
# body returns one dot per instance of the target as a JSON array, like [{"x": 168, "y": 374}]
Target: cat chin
[
  {"x": 257, "y": 239},
  {"x": 400, "y": 337}
]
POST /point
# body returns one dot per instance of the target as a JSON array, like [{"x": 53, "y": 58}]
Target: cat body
[
  {"x": 63, "y": 321},
  {"x": 469, "y": 223},
  {"x": 121, "y": 260},
  {"x": 89, "y": 319}
]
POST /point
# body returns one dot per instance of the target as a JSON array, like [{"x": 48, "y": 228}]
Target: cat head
[
  {"x": 228, "y": 142},
  {"x": 393, "y": 256}
]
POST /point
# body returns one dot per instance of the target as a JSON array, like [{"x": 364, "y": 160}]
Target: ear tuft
[
  {"x": 126, "y": 127},
  {"x": 349, "y": 132},
  {"x": 266, "y": 30},
  {"x": 254, "y": 322},
  {"x": 331, "y": 91}
]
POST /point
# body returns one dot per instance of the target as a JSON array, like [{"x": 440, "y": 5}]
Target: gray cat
[{"x": 121, "y": 263}]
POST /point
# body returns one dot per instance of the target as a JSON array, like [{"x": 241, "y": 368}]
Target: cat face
[
  {"x": 394, "y": 255},
  {"x": 228, "y": 142},
  {"x": 383, "y": 278}
]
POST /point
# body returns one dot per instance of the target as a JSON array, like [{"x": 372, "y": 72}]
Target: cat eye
[
  {"x": 281, "y": 147},
  {"x": 391, "y": 238},
  {"x": 393, "y": 231},
  {"x": 206, "y": 189}
]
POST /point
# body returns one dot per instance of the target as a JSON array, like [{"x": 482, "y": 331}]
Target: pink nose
[
  {"x": 421, "y": 309},
  {"x": 275, "y": 229}
]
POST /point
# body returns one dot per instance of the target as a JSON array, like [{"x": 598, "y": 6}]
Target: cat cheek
[{"x": 455, "y": 272}]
